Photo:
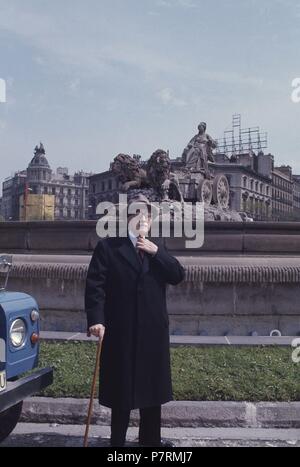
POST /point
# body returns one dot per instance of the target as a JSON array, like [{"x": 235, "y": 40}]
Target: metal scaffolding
[{"x": 239, "y": 140}]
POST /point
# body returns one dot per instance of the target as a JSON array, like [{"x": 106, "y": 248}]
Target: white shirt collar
[{"x": 132, "y": 237}]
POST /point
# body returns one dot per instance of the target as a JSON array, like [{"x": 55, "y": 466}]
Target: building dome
[
  {"x": 39, "y": 159},
  {"x": 39, "y": 170}
]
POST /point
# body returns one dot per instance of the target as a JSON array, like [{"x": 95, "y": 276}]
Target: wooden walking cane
[{"x": 93, "y": 388}]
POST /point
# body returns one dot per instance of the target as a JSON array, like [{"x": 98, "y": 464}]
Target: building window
[
  {"x": 45, "y": 190},
  {"x": 61, "y": 213},
  {"x": 61, "y": 190},
  {"x": 245, "y": 182},
  {"x": 69, "y": 213},
  {"x": 69, "y": 192},
  {"x": 251, "y": 205},
  {"x": 76, "y": 202},
  {"x": 251, "y": 184},
  {"x": 53, "y": 190},
  {"x": 76, "y": 214}
]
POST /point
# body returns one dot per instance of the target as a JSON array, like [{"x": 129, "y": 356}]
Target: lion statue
[
  {"x": 161, "y": 178},
  {"x": 129, "y": 172}
]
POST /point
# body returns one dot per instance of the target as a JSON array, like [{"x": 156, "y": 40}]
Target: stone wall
[
  {"x": 79, "y": 237},
  {"x": 220, "y": 295},
  {"x": 245, "y": 278}
]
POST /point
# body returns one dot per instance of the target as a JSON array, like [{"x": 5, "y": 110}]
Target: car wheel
[{"x": 9, "y": 419}]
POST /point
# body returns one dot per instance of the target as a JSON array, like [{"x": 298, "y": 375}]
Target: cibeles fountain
[
  {"x": 193, "y": 180},
  {"x": 243, "y": 280}
]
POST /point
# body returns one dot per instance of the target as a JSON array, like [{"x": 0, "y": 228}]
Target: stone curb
[
  {"x": 177, "y": 340},
  {"x": 174, "y": 414}
]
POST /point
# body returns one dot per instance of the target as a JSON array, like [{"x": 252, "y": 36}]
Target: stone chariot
[{"x": 207, "y": 188}]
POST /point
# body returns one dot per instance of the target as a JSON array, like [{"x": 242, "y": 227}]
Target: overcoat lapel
[{"x": 128, "y": 251}]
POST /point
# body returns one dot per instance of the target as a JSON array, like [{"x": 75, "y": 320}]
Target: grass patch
[{"x": 263, "y": 373}]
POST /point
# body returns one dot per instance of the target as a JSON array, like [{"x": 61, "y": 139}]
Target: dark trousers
[{"x": 149, "y": 429}]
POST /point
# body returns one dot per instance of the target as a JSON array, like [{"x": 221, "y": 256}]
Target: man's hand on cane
[{"x": 97, "y": 330}]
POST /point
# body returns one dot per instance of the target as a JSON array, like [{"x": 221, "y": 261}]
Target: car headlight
[{"x": 17, "y": 333}]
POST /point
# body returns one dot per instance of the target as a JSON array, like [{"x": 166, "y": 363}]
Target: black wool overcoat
[{"x": 128, "y": 296}]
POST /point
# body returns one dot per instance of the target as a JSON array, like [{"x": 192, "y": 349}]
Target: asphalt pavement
[{"x": 53, "y": 435}]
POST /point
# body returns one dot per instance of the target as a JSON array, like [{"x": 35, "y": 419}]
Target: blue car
[{"x": 19, "y": 351}]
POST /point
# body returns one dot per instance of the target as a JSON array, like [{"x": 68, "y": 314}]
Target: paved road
[{"x": 29, "y": 434}]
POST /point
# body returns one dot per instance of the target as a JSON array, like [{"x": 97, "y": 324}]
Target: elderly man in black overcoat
[{"x": 125, "y": 302}]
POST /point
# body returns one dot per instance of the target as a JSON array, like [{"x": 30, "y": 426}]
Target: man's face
[{"x": 140, "y": 222}]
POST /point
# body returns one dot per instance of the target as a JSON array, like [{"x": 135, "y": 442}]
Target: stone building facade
[
  {"x": 296, "y": 197},
  {"x": 282, "y": 194},
  {"x": 71, "y": 192},
  {"x": 104, "y": 186},
  {"x": 250, "y": 181},
  {"x": 12, "y": 189}
]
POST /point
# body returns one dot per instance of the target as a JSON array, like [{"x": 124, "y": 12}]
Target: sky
[{"x": 94, "y": 78}]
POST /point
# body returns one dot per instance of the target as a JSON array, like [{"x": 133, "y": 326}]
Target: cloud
[
  {"x": 93, "y": 55},
  {"x": 74, "y": 86},
  {"x": 167, "y": 97},
  {"x": 44, "y": 34}
]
